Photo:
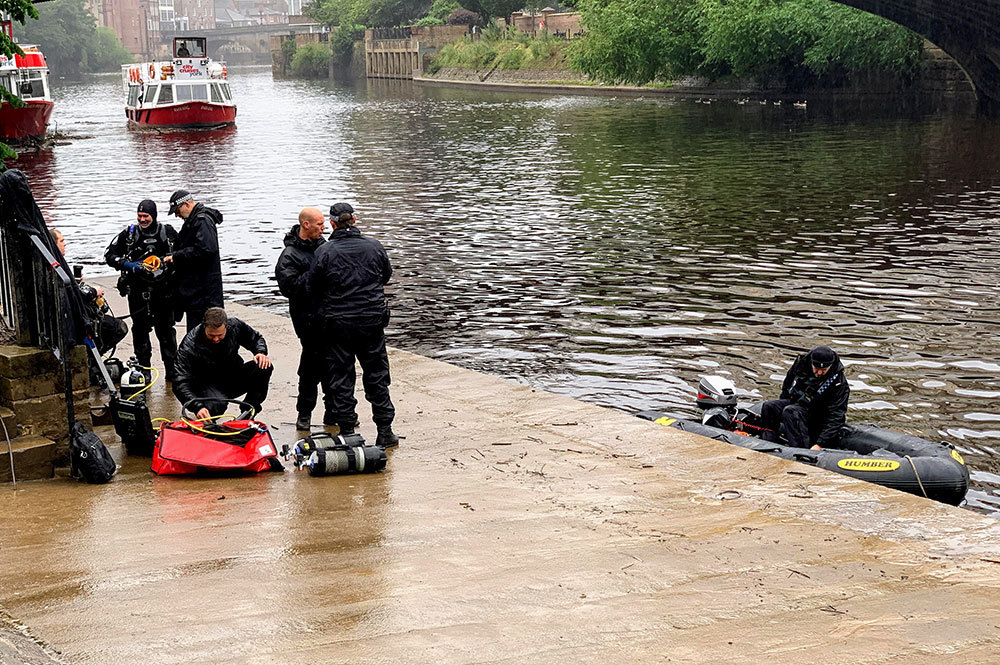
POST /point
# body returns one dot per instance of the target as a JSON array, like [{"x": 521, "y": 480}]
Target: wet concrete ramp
[{"x": 511, "y": 526}]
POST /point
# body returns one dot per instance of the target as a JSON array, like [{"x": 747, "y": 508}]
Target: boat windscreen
[
  {"x": 182, "y": 93},
  {"x": 166, "y": 95},
  {"x": 216, "y": 95},
  {"x": 199, "y": 93},
  {"x": 150, "y": 94},
  {"x": 32, "y": 87}
]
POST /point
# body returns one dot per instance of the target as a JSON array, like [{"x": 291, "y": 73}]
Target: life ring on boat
[{"x": 152, "y": 71}]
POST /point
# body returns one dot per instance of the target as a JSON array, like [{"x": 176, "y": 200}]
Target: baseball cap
[
  {"x": 177, "y": 198},
  {"x": 822, "y": 356},
  {"x": 338, "y": 209}
]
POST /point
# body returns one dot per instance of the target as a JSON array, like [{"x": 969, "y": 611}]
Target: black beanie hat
[
  {"x": 822, "y": 356},
  {"x": 148, "y": 207}
]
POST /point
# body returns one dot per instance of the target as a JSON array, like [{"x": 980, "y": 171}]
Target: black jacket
[
  {"x": 292, "y": 271},
  {"x": 199, "y": 361},
  {"x": 347, "y": 280},
  {"x": 825, "y": 398},
  {"x": 197, "y": 267},
  {"x": 135, "y": 244}
]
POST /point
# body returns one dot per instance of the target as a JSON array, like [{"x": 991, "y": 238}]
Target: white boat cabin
[{"x": 190, "y": 76}]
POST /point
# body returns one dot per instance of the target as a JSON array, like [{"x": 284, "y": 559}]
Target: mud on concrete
[{"x": 511, "y": 526}]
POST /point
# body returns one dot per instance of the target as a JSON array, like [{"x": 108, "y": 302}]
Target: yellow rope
[
  {"x": 915, "y": 473},
  {"x": 148, "y": 385}
]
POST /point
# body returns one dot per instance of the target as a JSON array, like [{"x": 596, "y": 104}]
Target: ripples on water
[{"x": 610, "y": 249}]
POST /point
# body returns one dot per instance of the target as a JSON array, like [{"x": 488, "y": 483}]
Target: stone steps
[
  {"x": 33, "y": 408},
  {"x": 34, "y": 457}
]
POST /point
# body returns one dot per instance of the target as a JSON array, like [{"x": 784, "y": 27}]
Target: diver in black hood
[
  {"x": 813, "y": 404},
  {"x": 137, "y": 252}
]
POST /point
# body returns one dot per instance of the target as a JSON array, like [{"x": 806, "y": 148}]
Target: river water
[{"x": 610, "y": 249}]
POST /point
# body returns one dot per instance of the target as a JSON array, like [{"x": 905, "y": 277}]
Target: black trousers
[
  {"x": 194, "y": 317},
  {"x": 789, "y": 420},
  {"x": 148, "y": 314},
  {"x": 341, "y": 346},
  {"x": 247, "y": 378},
  {"x": 311, "y": 370}
]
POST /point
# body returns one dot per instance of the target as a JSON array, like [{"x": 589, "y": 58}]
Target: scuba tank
[
  {"x": 133, "y": 378},
  {"x": 326, "y": 455}
]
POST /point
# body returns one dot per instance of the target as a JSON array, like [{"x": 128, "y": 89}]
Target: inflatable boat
[
  {"x": 190, "y": 446},
  {"x": 866, "y": 452}
]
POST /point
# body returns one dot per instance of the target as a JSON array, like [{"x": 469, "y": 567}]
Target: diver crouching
[{"x": 209, "y": 369}]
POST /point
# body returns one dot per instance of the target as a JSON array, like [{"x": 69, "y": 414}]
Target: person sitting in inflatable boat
[{"x": 812, "y": 408}]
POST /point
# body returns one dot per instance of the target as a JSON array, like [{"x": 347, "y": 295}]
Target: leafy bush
[
  {"x": 312, "y": 61},
  {"x": 463, "y": 17},
  {"x": 288, "y": 48},
  {"x": 788, "y": 42},
  {"x": 342, "y": 42},
  {"x": 68, "y": 35},
  {"x": 503, "y": 48}
]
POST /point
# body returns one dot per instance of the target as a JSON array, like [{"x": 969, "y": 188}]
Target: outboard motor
[
  {"x": 716, "y": 391},
  {"x": 717, "y": 398}
]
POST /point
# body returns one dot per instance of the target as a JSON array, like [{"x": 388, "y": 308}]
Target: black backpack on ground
[{"x": 89, "y": 457}]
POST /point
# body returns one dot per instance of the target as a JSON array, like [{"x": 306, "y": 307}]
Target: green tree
[
  {"x": 784, "y": 42},
  {"x": 108, "y": 53},
  {"x": 490, "y": 9},
  {"x": 380, "y": 13},
  {"x": 312, "y": 61},
  {"x": 19, "y": 11},
  {"x": 637, "y": 41},
  {"x": 65, "y": 32}
]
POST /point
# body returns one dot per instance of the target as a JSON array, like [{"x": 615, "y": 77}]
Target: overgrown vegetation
[
  {"x": 788, "y": 43},
  {"x": 342, "y": 42},
  {"x": 503, "y": 49},
  {"x": 391, "y": 13},
  {"x": 19, "y": 11},
  {"x": 312, "y": 61},
  {"x": 68, "y": 35}
]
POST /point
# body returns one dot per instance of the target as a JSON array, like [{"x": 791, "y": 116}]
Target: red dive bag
[{"x": 235, "y": 446}]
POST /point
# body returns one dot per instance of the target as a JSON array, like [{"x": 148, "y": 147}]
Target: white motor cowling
[{"x": 716, "y": 391}]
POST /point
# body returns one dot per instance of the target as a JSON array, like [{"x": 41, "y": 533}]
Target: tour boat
[
  {"x": 26, "y": 76},
  {"x": 189, "y": 91}
]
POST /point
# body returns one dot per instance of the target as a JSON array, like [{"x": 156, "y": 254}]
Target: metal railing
[
  {"x": 8, "y": 319},
  {"x": 34, "y": 284}
]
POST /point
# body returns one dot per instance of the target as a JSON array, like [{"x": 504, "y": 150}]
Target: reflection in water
[{"x": 609, "y": 249}]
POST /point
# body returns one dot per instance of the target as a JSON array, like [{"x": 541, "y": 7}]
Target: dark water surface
[{"x": 610, "y": 249}]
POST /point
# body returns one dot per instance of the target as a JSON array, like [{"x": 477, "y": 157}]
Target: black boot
[
  {"x": 347, "y": 428},
  {"x": 386, "y": 437},
  {"x": 303, "y": 422}
]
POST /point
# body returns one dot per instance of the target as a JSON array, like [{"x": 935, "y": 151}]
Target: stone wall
[
  {"x": 534, "y": 23},
  {"x": 33, "y": 408}
]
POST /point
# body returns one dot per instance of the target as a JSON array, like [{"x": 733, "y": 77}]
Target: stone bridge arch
[{"x": 967, "y": 30}]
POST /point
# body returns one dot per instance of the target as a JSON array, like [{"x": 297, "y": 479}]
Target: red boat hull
[
  {"x": 189, "y": 114},
  {"x": 30, "y": 120}
]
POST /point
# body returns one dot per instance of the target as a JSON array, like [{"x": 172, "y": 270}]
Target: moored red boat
[
  {"x": 189, "y": 91},
  {"x": 27, "y": 77}
]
